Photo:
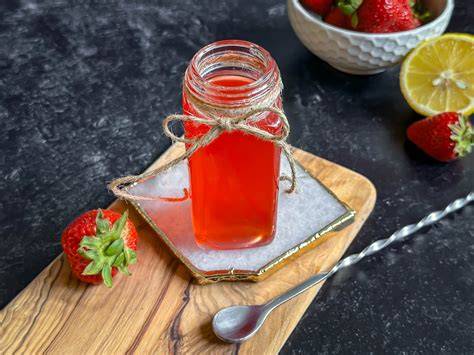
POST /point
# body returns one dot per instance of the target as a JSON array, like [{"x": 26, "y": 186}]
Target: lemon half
[{"x": 438, "y": 75}]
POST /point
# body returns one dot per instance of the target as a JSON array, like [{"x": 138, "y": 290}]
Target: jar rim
[{"x": 198, "y": 83}]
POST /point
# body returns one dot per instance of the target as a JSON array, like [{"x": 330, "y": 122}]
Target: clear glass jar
[{"x": 234, "y": 179}]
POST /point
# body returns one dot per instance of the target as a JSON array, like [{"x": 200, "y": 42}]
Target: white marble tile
[{"x": 300, "y": 215}]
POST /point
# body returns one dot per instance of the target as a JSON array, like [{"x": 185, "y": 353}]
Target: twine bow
[{"x": 218, "y": 125}]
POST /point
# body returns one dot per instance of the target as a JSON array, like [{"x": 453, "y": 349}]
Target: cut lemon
[{"x": 438, "y": 75}]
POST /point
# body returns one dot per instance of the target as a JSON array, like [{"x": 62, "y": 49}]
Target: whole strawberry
[
  {"x": 380, "y": 16},
  {"x": 98, "y": 243},
  {"x": 321, "y": 7},
  {"x": 445, "y": 137}
]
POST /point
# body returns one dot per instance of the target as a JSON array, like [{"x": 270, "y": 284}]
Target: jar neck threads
[{"x": 232, "y": 58}]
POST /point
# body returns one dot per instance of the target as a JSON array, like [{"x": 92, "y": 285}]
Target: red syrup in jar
[{"x": 234, "y": 179}]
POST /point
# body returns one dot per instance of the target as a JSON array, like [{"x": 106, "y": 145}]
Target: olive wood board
[{"x": 159, "y": 309}]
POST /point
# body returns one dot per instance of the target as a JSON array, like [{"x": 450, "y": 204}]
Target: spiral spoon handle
[
  {"x": 402, "y": 233},
  {"x": 376, "y": 246}
]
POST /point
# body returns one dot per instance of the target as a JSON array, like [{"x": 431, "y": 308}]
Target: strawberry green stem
[
  {"x": 107, "y": 249},
  {"x": 462, "y": 135}
]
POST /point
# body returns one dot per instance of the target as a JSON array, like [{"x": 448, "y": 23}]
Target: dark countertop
[{"x": 83, "y": 86}]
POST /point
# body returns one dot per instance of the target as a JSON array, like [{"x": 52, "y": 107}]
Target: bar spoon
[{"x": 236, "y": 324}]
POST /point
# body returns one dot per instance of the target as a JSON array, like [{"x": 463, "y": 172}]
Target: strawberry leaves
[
  {"x": 115, "y": 247},
  {"x": 94, "y": 267},
  {"x": 107, "y": 275},
  {"x": 107, "y": 249},
  {"x": 462, "y": 135},
  {"x": 87, "y": 254},
  {"x": 419, "y": 12},
  {"x": 349, "y": 7},
  {"x": 101, "y": 224}
]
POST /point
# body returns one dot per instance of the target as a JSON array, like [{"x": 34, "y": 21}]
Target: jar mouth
[{"x": 231, "y": 58}]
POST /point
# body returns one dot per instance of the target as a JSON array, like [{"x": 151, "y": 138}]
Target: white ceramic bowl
[{"x": 364, "y": 53}]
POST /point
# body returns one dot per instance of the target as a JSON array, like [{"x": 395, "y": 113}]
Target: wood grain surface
[{"x": 160, "y": 309}]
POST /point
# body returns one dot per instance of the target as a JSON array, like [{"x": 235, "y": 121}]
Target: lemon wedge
[{"x": 438, "y": 75}]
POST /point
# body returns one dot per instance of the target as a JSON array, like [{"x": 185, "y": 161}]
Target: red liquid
[{"x": 234, "y": 183}]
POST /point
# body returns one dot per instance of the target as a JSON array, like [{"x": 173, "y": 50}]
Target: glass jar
[{"x": 234, "y": 179}]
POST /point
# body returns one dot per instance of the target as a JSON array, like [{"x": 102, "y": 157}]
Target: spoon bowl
[{"x": 238, "y": 323}]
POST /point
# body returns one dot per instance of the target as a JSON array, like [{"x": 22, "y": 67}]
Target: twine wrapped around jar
[{"x": 220, "y": 119}]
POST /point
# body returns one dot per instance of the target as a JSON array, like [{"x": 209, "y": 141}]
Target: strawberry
[
  {"x": 98, "y": 243},
  {"x": 338, "y": 18},
  {"x": 321, "y": 7},
  {"x": 445, "y": 137},
  {"x": 380, "y": 16}
]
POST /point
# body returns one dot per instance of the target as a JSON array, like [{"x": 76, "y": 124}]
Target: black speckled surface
[{"x": 83, "y": 85}]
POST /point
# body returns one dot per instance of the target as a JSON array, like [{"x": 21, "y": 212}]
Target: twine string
[{"x": 218, "y": 124}]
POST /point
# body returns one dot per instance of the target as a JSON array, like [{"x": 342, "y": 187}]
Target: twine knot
[{"x": 225, "y": 123}]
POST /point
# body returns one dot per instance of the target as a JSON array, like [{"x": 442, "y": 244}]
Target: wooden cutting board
[{"x": 159, "y": 309}]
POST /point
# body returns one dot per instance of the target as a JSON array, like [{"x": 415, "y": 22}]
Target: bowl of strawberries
[{"x": 367, "y": 36}]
